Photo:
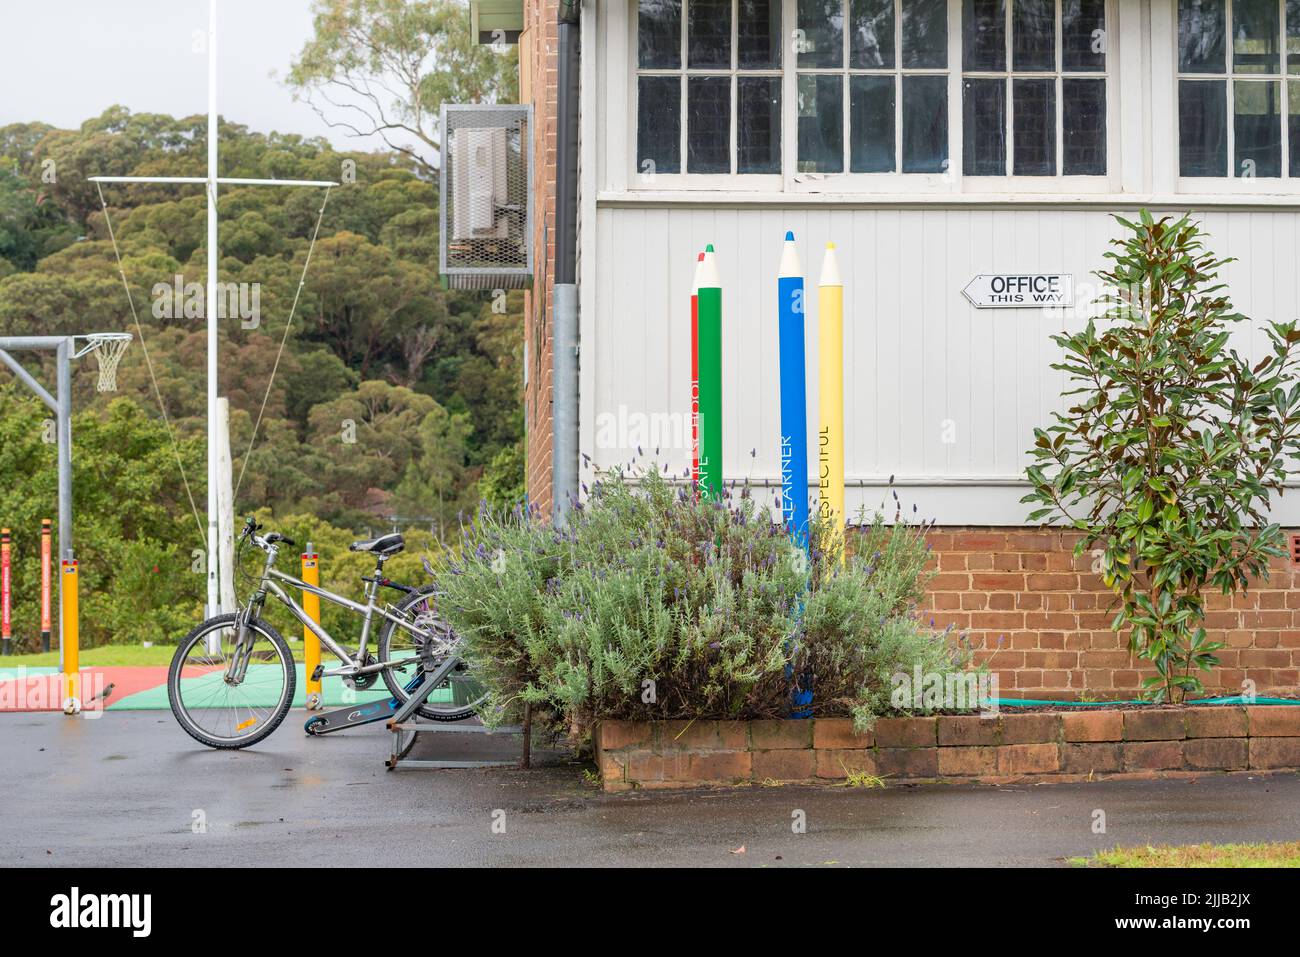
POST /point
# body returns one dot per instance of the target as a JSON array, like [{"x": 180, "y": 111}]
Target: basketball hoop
[{"x": 108, "y": 349}]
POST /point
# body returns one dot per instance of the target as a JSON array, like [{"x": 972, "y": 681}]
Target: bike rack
[{"x": 407, "y": 727}]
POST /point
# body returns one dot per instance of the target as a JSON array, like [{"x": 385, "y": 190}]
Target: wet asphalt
[{"x": 131, "y": 789}]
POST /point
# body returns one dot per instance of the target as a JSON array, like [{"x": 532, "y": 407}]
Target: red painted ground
[{"x": 44, "y": 692}]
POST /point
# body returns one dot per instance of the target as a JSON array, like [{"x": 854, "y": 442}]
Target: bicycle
[{"x": 232, "y": 680}]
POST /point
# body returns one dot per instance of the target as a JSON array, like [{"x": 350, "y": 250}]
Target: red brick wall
[
  {"x": 538, "y": 60},
  {"x": 1041, "y": 619}
]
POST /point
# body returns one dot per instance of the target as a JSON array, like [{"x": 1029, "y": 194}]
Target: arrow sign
[{"x": 1020, "y": 290}]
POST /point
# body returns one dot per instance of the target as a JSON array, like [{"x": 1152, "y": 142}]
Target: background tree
[
  {"x": 1175, "y": 445},
  {"x": 440, "y": 368},
  {"x": 385, "y": 67}
]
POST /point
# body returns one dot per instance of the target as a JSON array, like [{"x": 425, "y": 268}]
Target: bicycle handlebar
[{"x": 251, "y": 528}]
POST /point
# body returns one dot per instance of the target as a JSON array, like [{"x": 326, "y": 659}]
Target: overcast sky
[{"x": 65, "y": 61}]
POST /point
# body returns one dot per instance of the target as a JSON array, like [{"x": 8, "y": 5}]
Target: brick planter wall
[
  {"x": 1007, "y": 747},
  {"x": 1041, "y": 619}
]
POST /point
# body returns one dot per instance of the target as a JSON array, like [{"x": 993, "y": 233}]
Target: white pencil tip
[{"x": 831, "y": 268}]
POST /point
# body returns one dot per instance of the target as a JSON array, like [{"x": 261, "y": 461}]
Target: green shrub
[
  {"x": 653, "y": 605},
  {"x": 1174, "y": 445}
]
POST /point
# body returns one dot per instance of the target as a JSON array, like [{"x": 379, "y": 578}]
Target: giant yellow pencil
[{"x": 830, "y": 428}]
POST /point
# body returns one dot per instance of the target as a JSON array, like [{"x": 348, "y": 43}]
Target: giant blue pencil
[{"x": 794, "y": 394}]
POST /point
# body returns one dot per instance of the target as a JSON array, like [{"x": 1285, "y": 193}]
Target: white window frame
[
  {"x": 1232, "y": 183},
  {"x": 707, "y": 181},
  {"x": 792, "y": 182},
  {"x": 1108, "y": 182}
]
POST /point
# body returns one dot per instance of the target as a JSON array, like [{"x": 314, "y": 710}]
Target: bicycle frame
[{"x": 270, "y": 584}]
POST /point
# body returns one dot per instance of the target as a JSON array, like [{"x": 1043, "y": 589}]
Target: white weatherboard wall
[{"x": 940, "y": 395}]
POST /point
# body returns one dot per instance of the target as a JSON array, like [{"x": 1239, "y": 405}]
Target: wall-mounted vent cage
[{"x": 486, "y": 197}]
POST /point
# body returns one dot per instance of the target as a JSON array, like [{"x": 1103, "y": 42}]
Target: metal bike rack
[{"x": 406, "y": 728}]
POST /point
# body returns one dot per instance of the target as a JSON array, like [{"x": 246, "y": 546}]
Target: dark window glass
[
  {"x": 1083, "y": 118},
  {"x": 758, "y": 124},
  {"x": 1257, "y": 128},
  {"x": 708, "y": 124},
  {"x": 984, "y": 35},
  {"x": 925, "y": 34},
  {"x": 1203, "y": 127},
  {"x": 1293, "y": 122},
  {"x": 1034, "y": 127},
  {"x": 708, "y": 34},
  {"x": 821, "y": 124},
  {"x": 659, "y": 34},
  {"x": 1293, "y": 35},
  {"x": 984, "y": 127},
  {"x": 1200, "y": 36},
  {"x": 925, "y": 124},
  {"x": 1083, "y": 35},
  {"x": 871, "y": 124},
  {"x": 758, "y": 34},
  {"x": 821, "y": 33},
  {"x": 871, "y": 34},
  {"x": 1033, "y": 35},
  {"x": 659, "y": 125},
  {"x": 1256, "y": 34}
]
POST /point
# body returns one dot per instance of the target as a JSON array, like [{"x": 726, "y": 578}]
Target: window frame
[
  {"x": 703, "y": 181},
  {"x": 792, "y": 182},
  {"x": 1109, "y": 182},
  {"x": 1231, "y": 183}
]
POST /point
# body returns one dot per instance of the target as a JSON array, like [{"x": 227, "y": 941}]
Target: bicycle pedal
[{"x": 317, "y": 672}]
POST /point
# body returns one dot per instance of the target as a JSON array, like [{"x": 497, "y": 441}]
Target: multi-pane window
[
  {"x": 1239, "y": 88},
  {"x": 872, "y": 86},
  {"x": 708, "y": 86},
  {"x": 1034, "y": 87}
]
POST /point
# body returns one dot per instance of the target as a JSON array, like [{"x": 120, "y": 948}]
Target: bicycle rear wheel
[
  {"x": 421, "y": 651},
  {"x": 216, "y": 710}
]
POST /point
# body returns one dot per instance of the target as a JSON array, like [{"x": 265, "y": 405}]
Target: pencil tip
[
  {"x": 700, "y": 258},
  {"x": 830, "y": 245},
  {"x": 709, "y": 248},
  {"x": 789, "y": 236}
]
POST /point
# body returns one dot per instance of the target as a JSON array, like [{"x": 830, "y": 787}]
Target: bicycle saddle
[{"x": 384, "y": 545}]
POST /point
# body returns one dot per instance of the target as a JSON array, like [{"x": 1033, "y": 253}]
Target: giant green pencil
[{"x": 710, "y": 324}]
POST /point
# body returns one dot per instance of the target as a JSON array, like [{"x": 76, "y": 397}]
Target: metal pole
[
  {"x": 564, "y": 461},
  {"x": 214, "y": 595},
  {"x": 63, "y": 393}
]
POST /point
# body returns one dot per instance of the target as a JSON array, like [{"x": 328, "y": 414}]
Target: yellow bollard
[
  {"x": 310, "y": 643},
  {"x": 69, "y": 643}
]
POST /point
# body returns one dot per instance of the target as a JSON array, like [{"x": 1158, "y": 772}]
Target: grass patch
[
  {"x": 116, "y": 656},
  {"x": 1285, "y": 854}
]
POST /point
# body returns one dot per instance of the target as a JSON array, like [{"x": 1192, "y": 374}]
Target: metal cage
[{"x": 486, "y": 217}]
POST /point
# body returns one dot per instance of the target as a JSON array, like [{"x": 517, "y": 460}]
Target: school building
[{"x": 946, "y": 147}]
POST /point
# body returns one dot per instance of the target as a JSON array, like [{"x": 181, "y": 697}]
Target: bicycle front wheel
[{"x": 225, "y": 696}]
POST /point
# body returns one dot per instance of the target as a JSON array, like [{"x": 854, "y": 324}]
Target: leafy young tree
[{"x": 1169, "y": 459}]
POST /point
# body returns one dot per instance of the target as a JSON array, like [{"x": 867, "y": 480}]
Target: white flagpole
[
  {"x": 214, "y": 552},
  {"x": 220, "y": 584}
]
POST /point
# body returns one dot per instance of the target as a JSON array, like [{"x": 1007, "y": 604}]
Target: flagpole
[
  {"x": 220, "y": 541},
  {"x": 214, "y": 593}
]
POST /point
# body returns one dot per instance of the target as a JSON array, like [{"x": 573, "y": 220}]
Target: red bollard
[{"x": 5, "y": 617}]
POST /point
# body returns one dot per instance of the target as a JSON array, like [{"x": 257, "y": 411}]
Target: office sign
[{"x": 1020, "y": 290}]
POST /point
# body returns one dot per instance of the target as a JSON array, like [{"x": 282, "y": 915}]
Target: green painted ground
[{"x": 261, "y": 693}]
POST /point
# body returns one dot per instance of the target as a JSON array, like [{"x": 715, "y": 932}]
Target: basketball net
[{"x": 108, "y": 351}]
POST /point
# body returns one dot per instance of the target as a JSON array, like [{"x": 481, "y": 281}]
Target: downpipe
[{"x": 564, "y": 411}]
